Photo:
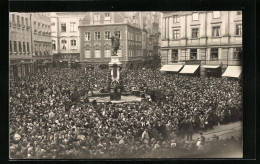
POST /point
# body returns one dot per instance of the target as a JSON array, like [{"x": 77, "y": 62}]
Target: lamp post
[
  {"x": 227, "y": 57},
  {"x": 22, "y": 69},
  {"x": 206, "y": 56}
]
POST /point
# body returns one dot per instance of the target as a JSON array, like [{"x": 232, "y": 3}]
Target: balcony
[
  {"x": 23, "y": 27},
  {"x": 18, "y": 26},
  {"x": 27, "y": 28},
  {"x": 39, "y": 32},
  {"x": 35, "y": 31}
]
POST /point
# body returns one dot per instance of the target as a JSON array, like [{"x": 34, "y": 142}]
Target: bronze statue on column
[{"x": 115, "y": 43}]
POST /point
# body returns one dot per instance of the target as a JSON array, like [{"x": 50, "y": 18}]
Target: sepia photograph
[{"x": 125, "y": 84}]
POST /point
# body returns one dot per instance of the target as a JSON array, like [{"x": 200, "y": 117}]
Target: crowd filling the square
[{"x": 51, "y": 117}]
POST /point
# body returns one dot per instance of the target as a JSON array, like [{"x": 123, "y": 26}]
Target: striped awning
[
  {"x": 211, "y": 66},
  {"x": 171, "y": 68},
  {"x": 190, "y": 69},
  {"x": 233, "y": 71}
]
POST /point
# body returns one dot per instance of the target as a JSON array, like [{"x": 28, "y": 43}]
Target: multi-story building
[
  {"x": 20, "y": 54},
  {"x": 65, "y": 37},
  {"x": 41, "y": 40},
  {"x": 151, "y": 33},
  {"x": 210, "y": 37},
  {"x": 96, "y": 28}
]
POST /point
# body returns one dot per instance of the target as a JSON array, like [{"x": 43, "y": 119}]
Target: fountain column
[{"x": 115, "y": 89}]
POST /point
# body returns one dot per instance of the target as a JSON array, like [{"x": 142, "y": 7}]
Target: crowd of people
[{"x": 42, "y": 125}]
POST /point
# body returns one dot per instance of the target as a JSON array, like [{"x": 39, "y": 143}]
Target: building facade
[
  {"x": 96, "y": 28},
  {"x": 41, "y": 40},
  {"x": 211, "y": 37},
  {"x": 65, "y": 37},
  {"x": 20, "y": 48}
]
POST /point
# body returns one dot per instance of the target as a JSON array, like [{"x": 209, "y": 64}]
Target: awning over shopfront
[
  {"x": 190, "y": 69},
  {"x": 233, "y": 71},
  {"x": 211, "y": 66},
  {"x": 171, "y": 68}
]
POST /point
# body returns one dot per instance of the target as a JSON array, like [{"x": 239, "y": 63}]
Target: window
[
  {"x": 26, "y": 22},
  {"x": 96, "y": 17},
  {"x": 22, "y": 19},
  {"x": 53, "y": 27},
  {"x": 20, "y": 46},
  {"x": 72, "y": 26},
  {"x": 39, "y": 25},
  {"x": 24, "y": 48},
  {"x": 239, "y": 12},
  {"x": 107, "y": 53},
  {"x": 193, "y": 54},
  {"x": 119, "y": 53},
  {"x": 216, "y": 31},
  {"x": 43, "y": 47},
  {"x": 238, "y": 53},
  {"x": 195, "y": 16},
  {"x": 174, "y": 54},
  {"x": 176, "y": 19},
  {"x": 35, "y": 48},
  {"x": 176, "y": 34},
  {"x": 214, "y": 54},
  {"x": 18, "y": 19},
  {"x": 73, "y": 42},
  {"x": 87, "y": 54},
  {"x": 13, "y": 18},
  {"x": 40, "y": 52},
  {"x": 63, "y": 27},
  {"x": 97, "y": 35},
  {"x": 34, "y": 24},
  {"x": 87, "y": 36},
  {"x": 239, "y": 29},
  {"x": 10, "y": 46},
  {"x": 53, "y": 44},
  {"x": 195, "y": 33},
  {"x": 107, "y": 16},
  {"x": 97, "y": 54},
  {"x": 118, "y": 34},
  {"x": 216, "y": 14},
  {"x": 15, "y": 46},
  {"x": 107, "y": 35},
  {"x": 28, "y": 47},
  {"x": 64, "y": 42}
]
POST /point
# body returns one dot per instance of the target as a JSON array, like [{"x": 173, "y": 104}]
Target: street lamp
[{"x": 227, "y": 57}]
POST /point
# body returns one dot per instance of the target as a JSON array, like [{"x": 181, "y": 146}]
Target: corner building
[
  {"x": 210, "y": 37},
  {"x": 20, "y": 48},
  {"x": 66, "y": 38}
]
